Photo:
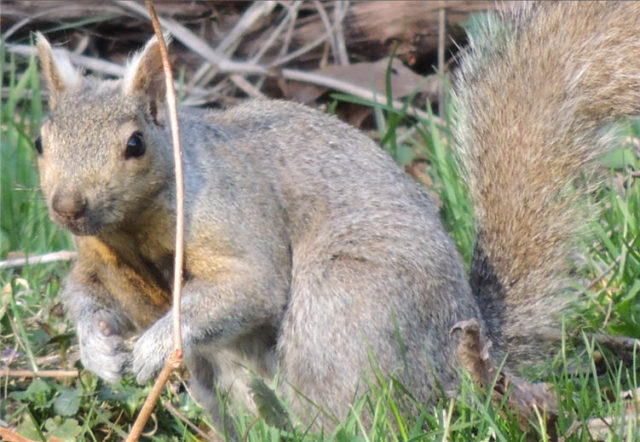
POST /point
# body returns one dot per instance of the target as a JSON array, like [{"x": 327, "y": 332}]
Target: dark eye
[
  {"x": 135, "y": 146},
  {"x": 38, "y": 145}
]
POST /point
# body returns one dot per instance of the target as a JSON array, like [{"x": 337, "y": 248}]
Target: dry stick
[
  {"x": 288, "y": 36},
  {"x": 340, "y": 9},
  {"x": 175, "y": 358},
  {"x": 177, "y": 158},
  {"x": 287, "y": 57},
  {"x": 287, "y": 22},
  {"x": 228, "y": 45},
  {"x": 173, "y": 410},
  {"x": 149, "y": 403},
  {"x": 93, "y": 64},
  {"x": 442, "y": 24},
  {"x": 254, "y": 13},
  {"x": 330, "y": 31},
  {"x": 246, "y": 87},
  {"x": 291, "y": 12},
  {"x": 300, "y": 51},
  {"x": 63, "y": 255},
  {"x": 38, "y": 374}
]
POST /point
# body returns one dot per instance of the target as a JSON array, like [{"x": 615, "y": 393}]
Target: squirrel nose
[{"x": 70, "y": 206}]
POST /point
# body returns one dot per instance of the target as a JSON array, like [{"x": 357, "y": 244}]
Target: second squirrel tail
[{"x": 532, "y": 102}]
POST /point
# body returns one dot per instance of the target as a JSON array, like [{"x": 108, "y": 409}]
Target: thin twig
[
  {"x": 173, "y": 410},
  {"x": 252, "y": 424},
  {"x": 287, "y": 22},
  {"x": 150, "y": 401},
  {"x": 6, "y": 371},
  {"x": 292, "y": 12},
  {"x": 47, "y": 258},
  {"x": 288, "y": 36},
  {"x": 330, "y": 30},
  {"x": 172, "y": 104},
  {"x": 94, "y": 64},
  {"x": 285, "y": 58},
  {"x": 254, "y": 13},
  {"x": 340, "y": 8},
  {"x": 229, "y": 44},
  {"x": 175, "y": 358},
  {"x": 246, "y": 87},
  {"x": 442, "y": 24}
]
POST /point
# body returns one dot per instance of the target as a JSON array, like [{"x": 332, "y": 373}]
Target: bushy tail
[{"x": 532, "y": 99}]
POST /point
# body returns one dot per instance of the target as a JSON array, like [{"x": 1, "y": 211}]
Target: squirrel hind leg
[
  {"x": 346, "y": 323},
  {"x": 219, "y": 373}
]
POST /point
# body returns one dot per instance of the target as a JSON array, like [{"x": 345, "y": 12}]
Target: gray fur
[{"x": 307, "y": 248}]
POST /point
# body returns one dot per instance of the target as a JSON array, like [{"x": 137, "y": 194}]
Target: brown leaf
[{"x": 371, "y": 76}]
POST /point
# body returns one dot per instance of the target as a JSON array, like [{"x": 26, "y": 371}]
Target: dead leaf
[{"x": 371, "y": 76}]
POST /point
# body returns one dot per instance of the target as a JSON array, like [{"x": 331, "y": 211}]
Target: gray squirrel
[{"x": 307, "y": 249}]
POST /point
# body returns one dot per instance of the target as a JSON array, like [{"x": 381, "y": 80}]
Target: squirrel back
[{"x": 532, "y": 102}]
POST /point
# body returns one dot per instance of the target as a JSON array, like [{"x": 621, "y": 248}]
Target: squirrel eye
[
  {"x": 38, "y": 145},
  {"x": 135, "y": 146}
]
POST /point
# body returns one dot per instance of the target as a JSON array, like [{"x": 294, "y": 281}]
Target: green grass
[{"x": 34, "y": 333}]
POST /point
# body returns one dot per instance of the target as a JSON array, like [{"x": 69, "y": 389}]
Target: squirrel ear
[
  {"x": 58, "y": 71},
  {"x": 144, "y": 75}
]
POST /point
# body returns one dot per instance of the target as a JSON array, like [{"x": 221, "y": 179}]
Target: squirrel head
[{"x": 104, "y": 152}]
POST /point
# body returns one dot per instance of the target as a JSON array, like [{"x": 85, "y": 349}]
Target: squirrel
[{"x": 307, "y": 249}]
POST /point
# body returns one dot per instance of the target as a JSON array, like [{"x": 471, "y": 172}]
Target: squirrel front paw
[
  {"x": 151, "y": 350},
  {"x": 103, "y": 349}
]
